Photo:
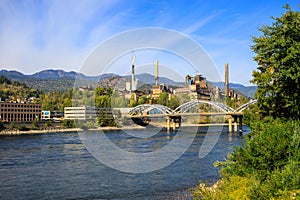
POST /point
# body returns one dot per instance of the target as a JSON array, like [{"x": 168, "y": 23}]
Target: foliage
[
  {"x": 235, "y": 188},
  {"x": 269, "y": 162},
  {"x": 103, "y": 97},
  {"x": 13, "y": 90},
  {"x": 35, "y": 125},
  {"x": 278, "y": 73},
  {"x": 163, "y": 99},
  {"x": 48, "y": 124},
  {"x": 22, "y": 127},
  {"x": 251, "y": 115},
  {"x": 11, "y": 125},
  {"x": 105, "y": 118},
  {"x": 119, "y": 101},
  {"x": 90, "y": 124},
  {"x": 173, "y": 103},
  {"x": 56, "y": 100},
  {"x": 68, "y": 123}
]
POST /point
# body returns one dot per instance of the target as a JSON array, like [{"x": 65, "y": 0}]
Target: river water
[{"x": 59, "y": 166}]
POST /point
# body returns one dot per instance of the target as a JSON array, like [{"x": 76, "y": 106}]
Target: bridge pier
[
  {"x": 173, "y": 121},
  {"x": 235, "y": 128},
  {"x": 168, "y": 123},
  {"x": 238, "y": 118},
  {"x": 230, "y": 125}
]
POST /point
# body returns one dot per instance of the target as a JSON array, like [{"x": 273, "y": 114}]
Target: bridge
[{"x": 174, "y": 116}]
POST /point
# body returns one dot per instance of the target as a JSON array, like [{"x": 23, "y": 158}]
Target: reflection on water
[{"x": 58, "y": 166}]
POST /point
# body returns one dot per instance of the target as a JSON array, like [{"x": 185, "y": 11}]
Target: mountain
[
  {"x": 150, "y": 79},
  {"x": 60, "y": 80},
  {"x": 53, "y": 74},
  {"x": 12, "y": 74},
  {"x": 248, "y": 91}
]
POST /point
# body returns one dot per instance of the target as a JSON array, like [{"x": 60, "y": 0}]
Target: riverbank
[
  {"x": 59, "y": 130},
  {"x": 65, "y": 130}
]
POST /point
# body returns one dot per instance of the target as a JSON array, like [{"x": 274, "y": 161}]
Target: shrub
[{"x": 22, "y": 127}]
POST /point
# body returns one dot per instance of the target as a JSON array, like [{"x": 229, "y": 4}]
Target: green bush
[
  {"x": 68, "y": 123},
  {"x": 266, "y": 167},
  {"x": 35, "y": 125},
  {"x": 48, "y": 124},
  {"x": 22, "y": 127},
  {"x": 11, "y": 125}
]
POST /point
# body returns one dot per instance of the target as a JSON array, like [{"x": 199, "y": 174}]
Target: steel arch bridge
[
  {"x": 186, "y": 106},
  {"x": 243, "y": 107},
  {"x": 146, "y": 108}
]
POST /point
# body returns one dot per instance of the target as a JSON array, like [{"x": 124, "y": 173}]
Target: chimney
[
  {"x": 132, "y": 74},
  {"x": 156, "y": 77},
  {"x": 226, "y": 80}
]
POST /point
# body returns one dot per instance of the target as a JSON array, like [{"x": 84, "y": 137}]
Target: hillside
[
  {"x": 61, "y": 81},
  {"x": 16, "y": 91},
  {"x": 248, "y": 91}
]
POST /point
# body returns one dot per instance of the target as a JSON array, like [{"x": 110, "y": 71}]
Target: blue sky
[{"x": 60, "y": 34}]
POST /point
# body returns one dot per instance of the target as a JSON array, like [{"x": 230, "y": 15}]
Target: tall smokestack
[
  {"x": 156, "y": 76},
  {"x": 132, "y": 74},
  {"x": 226, "y": 80}
]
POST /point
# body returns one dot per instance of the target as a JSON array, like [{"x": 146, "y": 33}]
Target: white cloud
[{"x": 33, "y": 39}]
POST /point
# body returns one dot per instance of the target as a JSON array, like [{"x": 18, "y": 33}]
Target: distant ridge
[
  {"x": 50, "y": 74},
  {"x": 245, "y": 90},
  {"x": 59, "y": 80}
]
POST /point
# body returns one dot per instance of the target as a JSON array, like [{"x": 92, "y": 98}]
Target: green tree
[
  {"x": 105, "y": 118},
  {"x": 173, "y": 103},
  {"x": 142, "y": 100},
  {"x": 35, "y": 125},
  {"x": 278, "y": 72},
  {"x": 11, "y": 125},
  {"x": 68, "y": 123},
  {"x": 163, "y": 99}
]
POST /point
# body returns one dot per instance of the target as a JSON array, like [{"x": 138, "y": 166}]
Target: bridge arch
[
  {"x": 186, "y": 106},
  {"x": 244, "y": 106},
  {"x": 144, "y": 108}
]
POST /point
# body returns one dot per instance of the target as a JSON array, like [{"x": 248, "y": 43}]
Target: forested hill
[
  {"x": 61, "y": 81},
  {"x": 16, "y": 91},
  {"x": 46, "y": 81}
]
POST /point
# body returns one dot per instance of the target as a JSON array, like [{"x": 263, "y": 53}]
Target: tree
[
  {"x": 68, "y": 123},
  {"x": 173, "y": 103},
  {"x": 163, "y": 99},
  {"x": 278, "y": 72},
  {"x": 105, "y": 118}
]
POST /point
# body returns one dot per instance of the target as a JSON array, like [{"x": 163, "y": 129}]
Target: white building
[{"x": 80, "y": 113}]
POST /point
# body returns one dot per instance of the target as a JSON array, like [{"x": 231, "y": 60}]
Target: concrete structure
[
  {"x": 156, "y": 73},
  {"x": 196, "y": 87},
  {"x": 158, "y": 89},
  {"x": 226, "y": 80},
  {"x": 133, "y": 83},
  {"x": 80, "y": 113},
  {"x": 84, "y": 112},
  {"x": 20, "y": 112}
]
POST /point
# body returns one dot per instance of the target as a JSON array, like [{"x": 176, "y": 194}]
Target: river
[{"x": 59, "y": 166}]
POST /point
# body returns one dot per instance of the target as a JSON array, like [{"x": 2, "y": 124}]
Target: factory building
[
  {"x": 196, "y": 87},
  {"x": 20, "y": 112}
]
